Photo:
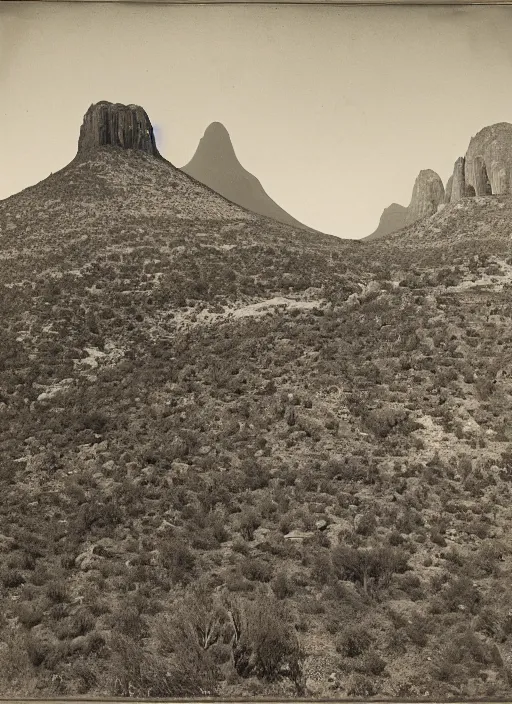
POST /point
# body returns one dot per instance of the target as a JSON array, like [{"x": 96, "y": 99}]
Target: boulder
[{"x": 298, "y": 535}]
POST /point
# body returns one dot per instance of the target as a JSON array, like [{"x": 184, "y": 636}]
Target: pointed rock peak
[
  {"x": 117, "y": 125},
  {"x": 427, "y": 195},
  {"x": 216, "y": 142},
  {"x": 217, "y": 129}
]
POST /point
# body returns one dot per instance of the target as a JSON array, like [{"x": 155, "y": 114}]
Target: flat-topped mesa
[
  {"x": 117, "y": 125},
  {"x": 427, "y": 195},
  {"x": 488, "y": 165}
]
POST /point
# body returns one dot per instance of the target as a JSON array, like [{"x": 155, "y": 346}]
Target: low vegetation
[{"x": 238, "y": 459}]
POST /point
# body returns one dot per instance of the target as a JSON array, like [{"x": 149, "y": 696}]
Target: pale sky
[{"x": 334, "y": 109}]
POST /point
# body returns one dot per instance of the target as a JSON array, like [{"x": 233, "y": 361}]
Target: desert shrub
[
  {"x": 249, "y": 521},
  {"x": 196, "y": 622},
  {"x": 321, "y": 569},
  {"x": 366, "y": 525},
  {"x": 461, "y": 657},
  {"x": 82, "y": 622},
  {"x": 395, "y": 538},
  {"x": 361, "y": 686},
  {"x": 368, "y": 567},
  {"x": 136, "y": 672},
  {"x": 488, "y": 558},
  {"x": 40, "y": 651},
  {"x": 382, "y": 421},
  {"x": 437, "y": 538},
  {"x": 57, "y": 592},
  {"x": 240, "y": 546},
  {"x": 178, "y": 559},
  {"x": 372, "y": 664},
  {"x": 128, "y": 621},
  {"x": 11, "y": 578},
  {"x": 411, "y": 585},
  {"x": 353, "y": 641},
  {"x": 282, "y": 586},
  {"x": 256, "y": 570},
  {"x": 29, "y": 615},
  {"x": 415, "y": 629},
  {"x": 461, "y": 592},
  {"x": 265, "y": 644}
]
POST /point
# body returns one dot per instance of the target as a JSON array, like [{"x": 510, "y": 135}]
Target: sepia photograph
[{"x": 255, "y": 351}]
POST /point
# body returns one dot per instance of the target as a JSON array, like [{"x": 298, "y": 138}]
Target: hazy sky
[{"x": 334, "y": 109}]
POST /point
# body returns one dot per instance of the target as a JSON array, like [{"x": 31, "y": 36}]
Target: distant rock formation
[
  {"x": 488, "y": 167},
  {"x": 448, "y": 190},
  {"x": 216, "y": 165},
  {"x": 116, "y": 125},
  {"x": 391, "y": 220},
  {"x": 458, "y": 181},
  {"x": 427, "y": 194},
  {"x": 485, "y": 170}
]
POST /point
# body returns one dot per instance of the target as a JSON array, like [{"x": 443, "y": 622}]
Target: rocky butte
[
  {"x": 117, "y": 125},
  {"x": 427, "y": 195}
]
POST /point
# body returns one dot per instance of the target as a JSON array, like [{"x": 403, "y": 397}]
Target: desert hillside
[{"x": 243, "y": 459}]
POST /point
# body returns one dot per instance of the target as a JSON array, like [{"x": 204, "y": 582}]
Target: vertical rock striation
[
  {"x": 116, "y": 125},
  {"x": 427, "y": 195}
]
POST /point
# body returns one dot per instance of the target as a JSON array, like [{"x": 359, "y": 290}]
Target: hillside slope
[{"x": 215, "y": 427}]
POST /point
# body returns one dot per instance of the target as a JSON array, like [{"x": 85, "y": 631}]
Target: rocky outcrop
[
  {"x": 116, "y": 125},
  {"x": 391, "y": 220},
  {"x": 216, "y": 165},
  {"x": 485, "y": 170},
  {"x": 458, "y": 181},
  {"x": 427, "y": 194},
  {"x": 488, "y": 164},
  {"x": 448, "y": 190}
]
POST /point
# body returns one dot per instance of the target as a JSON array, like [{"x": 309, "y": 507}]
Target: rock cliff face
[
  {"x": 488, "y": 167},
  {"x": 458, "y": 180},
  {"x": 116, "y": 125},
  {"x": 391, "y": 220},
  {"x": 448, "y": 190},
  {"x": 427, "y": 194}
]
